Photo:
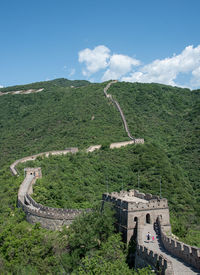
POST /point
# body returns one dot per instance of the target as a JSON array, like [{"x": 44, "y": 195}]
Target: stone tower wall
[{"x": 187, "y": 253}]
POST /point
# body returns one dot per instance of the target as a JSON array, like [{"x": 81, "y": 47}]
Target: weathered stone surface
[{"x": 137, "y": 214}]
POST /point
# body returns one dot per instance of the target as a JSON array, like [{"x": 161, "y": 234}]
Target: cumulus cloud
[
  {"x": 126, "y": 68},
  {"x": 1, "y": 86},
  {"x": 95, "y": 59},
  {"x": 119, "y": 65},
  {"x": 167, "y": 70}
]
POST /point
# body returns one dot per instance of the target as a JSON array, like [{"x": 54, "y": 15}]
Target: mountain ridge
[{"x": 167, "y": 118}]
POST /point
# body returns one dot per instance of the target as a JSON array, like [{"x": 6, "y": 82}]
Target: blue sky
[{"x": 144, "y": 41}]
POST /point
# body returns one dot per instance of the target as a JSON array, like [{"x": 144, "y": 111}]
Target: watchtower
[
  {"x": 134, "y": 209},
  {"x": 36, "y": 172}
]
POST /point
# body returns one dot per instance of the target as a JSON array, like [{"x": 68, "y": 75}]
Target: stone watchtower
[
  {"x": 36, "y": 172},
  {"x": 135, "y": 209}
]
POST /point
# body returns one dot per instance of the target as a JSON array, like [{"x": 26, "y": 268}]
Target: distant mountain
[{"x": 59, "y": 82}]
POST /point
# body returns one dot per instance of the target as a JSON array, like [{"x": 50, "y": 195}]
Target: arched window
[
  {"x": 148, "y": 219},
  {"x": 135, "y": 219}
]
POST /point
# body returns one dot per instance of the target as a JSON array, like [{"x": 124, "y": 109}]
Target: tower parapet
[{"x": 132, "y": 207}]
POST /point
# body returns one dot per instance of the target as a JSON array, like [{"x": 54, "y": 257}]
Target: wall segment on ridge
[
  {"x": 116, "y": 103},
  {"x": 48, "y": 217}
]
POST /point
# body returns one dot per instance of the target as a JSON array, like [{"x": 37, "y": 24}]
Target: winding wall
[
  {"x": 48, "y": 217},
  {"x": 109, "y": 96},
  {"x": 45, "y": 154},
  {"x": 53, "y": 218}
]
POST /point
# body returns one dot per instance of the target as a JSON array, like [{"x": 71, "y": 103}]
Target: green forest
[{"x": 76, "y": 114}]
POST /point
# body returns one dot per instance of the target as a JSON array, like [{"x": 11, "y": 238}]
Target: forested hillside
[
  {"x": 63, "y": 116},
  {"x": 56, "y": 118},
  {"x": 59, "y": 82}
]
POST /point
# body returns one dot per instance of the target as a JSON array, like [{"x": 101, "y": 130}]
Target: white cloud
[
  {"x": 123, "y": 67},
  {"x": 119, "y": 65},
  {"x": 1, "y": 86},
  {"x": 95, "y": 59},
  {"x": 166, "y": 70}
]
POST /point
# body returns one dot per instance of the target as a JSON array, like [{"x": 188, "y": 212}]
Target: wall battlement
[
  {"x": 50, "y": 210},
  {"x": 48, "y": 217},
  {"x": 128, "y": 200},
  {"x": 189, "y": 254},
  {"x": 147, "y": 256}
]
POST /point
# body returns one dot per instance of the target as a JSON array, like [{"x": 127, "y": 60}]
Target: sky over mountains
[
  {"x": 127, "y": 68},
  {"x": 143, "y": 41}
]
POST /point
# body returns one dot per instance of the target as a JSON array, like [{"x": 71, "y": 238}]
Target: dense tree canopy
[{"x": 62, "y": 116}]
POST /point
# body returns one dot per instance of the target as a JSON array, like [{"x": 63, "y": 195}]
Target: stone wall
[
  {"x": 48, "y": 217},
  {"x": 45, "y": 154},
  {"x": 22, "y": 92},
  {"x": 153, "y": 201},
  {"x": 187, "y": 253},
  {"x": 116, "y": 103},
  {"x": 128, "y": 212},
  {"x": 145, "y": 257},
  {"x": 92, "y": 148}
]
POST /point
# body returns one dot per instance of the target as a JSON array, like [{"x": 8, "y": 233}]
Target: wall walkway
[
  {"x": 154, "y": 252},
  {"x": 116, "y": 103}
]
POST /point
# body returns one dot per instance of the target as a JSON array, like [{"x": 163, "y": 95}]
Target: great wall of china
[
  {"x": 22, "y": 92},
  {"x": 158, "y": 255},
  {"x": 109, "y": 96}
]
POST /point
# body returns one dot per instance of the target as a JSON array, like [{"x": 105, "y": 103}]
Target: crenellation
[
  {"x": 48, "y": 217},
  {"x": 145, "y": 257},
  {"x": 186, "y": 249},
  {"x": 189, "y": 254},
  {"x": 148, "y": 196}
]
